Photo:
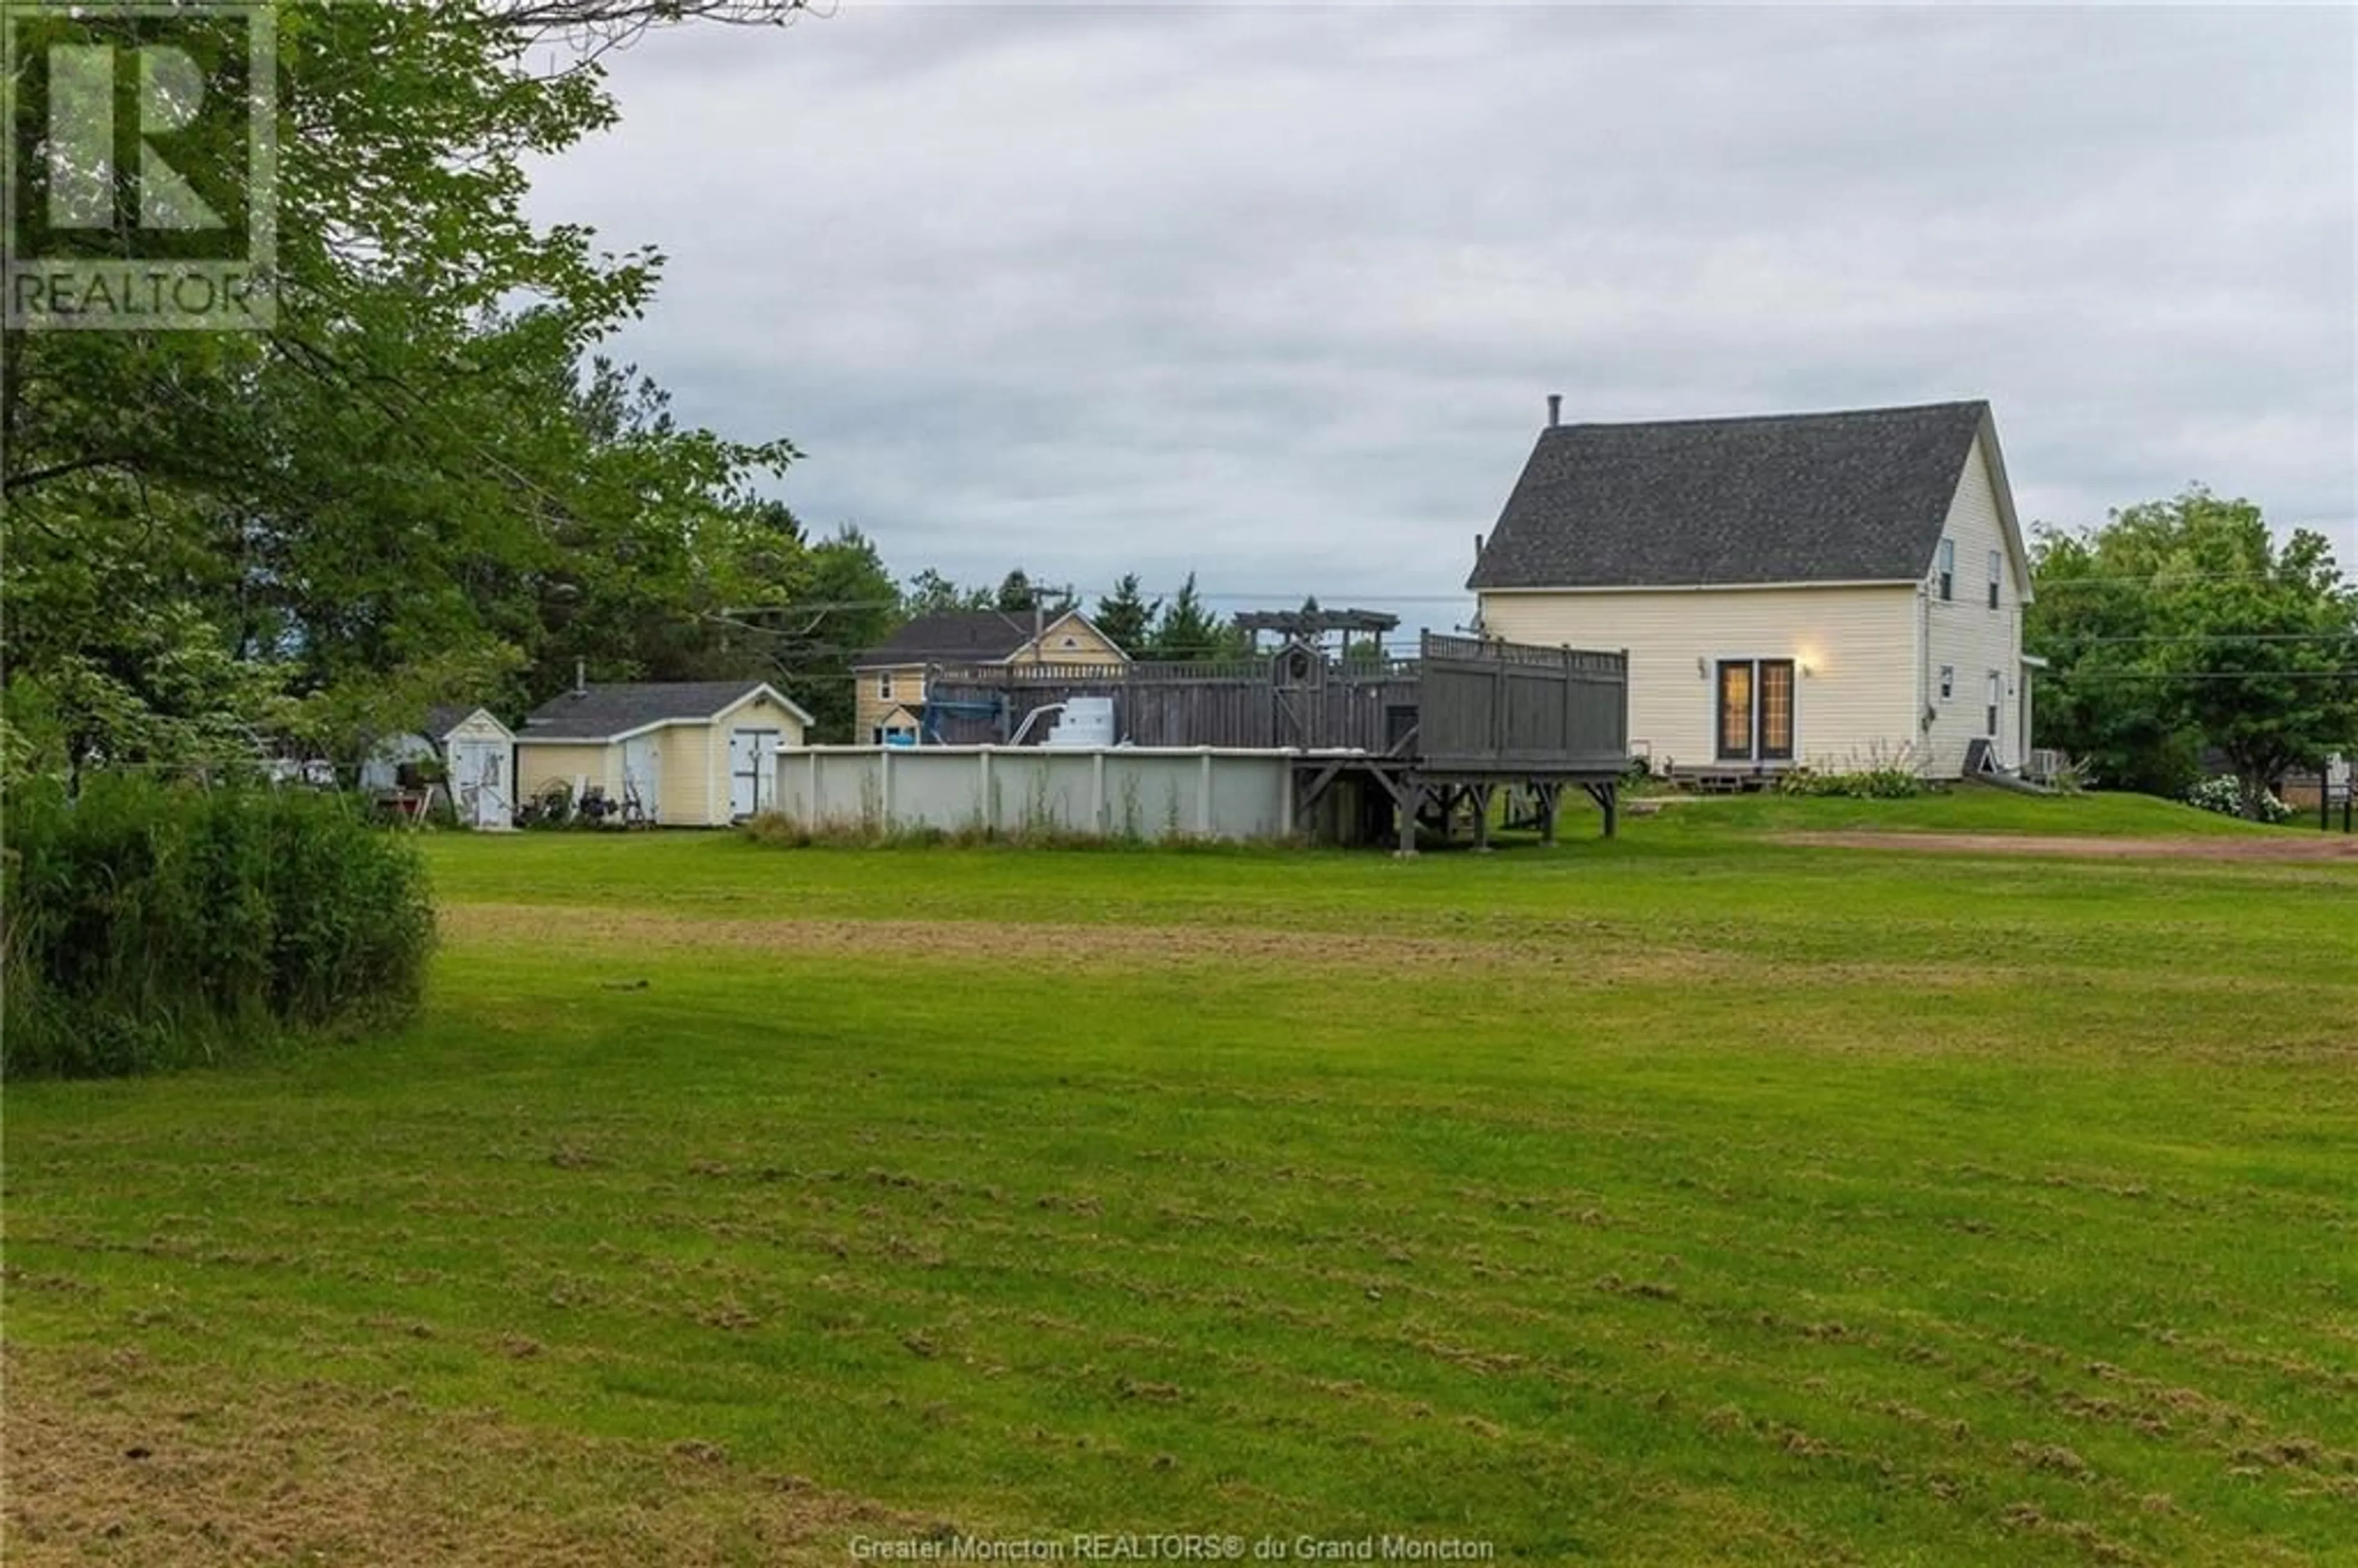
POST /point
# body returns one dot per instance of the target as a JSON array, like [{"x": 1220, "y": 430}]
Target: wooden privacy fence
[
  {"x": 1234, "y": 703},
  {"x": 1511, "y": 707}
]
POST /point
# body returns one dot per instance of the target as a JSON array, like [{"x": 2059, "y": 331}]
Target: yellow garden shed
[{"x": 682, "y": 753}]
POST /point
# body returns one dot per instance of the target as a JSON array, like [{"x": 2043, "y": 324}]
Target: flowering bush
[
  {"x": 1862, "y": 784},
  {"x": 2225, "y": 796}
]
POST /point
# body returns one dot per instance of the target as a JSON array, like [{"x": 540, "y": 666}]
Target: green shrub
[{"x": 150, "y": 925}]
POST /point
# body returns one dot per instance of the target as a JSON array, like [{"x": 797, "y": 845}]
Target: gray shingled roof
[
  {"x": 1858, "y": 496},
  {"x": 952, "y": 637},
  {"x": 445, "y": 717},
  {"x": 603, "y": 711}
]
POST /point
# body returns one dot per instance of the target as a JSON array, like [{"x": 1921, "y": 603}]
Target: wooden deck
[
  {"x": 1428, "y": 739},
  {"x": 1746, "y": 778}
]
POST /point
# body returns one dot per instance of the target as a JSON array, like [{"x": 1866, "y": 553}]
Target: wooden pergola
[{"x": 1312, "y": 626}]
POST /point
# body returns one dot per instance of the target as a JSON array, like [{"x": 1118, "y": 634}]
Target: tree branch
[
  {"x": 28, "y": 480},
  {"x": 597, "y": 26}
]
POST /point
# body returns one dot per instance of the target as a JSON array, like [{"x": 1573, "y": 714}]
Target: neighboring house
[
  {"x": 2297, "y": 787},
  {"x": 2308, "y": 789},
  {"x": 1829, "y": 590},
  {"x": 478, "y": 757},
  {"x": 891, "y": 694},
  {"x": 687, "y": 753}
]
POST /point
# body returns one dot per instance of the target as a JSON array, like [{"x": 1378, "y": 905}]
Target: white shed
[{"x": 478, "y": 755}]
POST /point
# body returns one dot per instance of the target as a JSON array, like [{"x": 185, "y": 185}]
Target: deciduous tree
[
  {"x": 418, "y": 475},
  {"x": 2184, "y": 624}
]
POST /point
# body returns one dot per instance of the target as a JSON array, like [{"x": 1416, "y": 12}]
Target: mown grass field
[{"x": 1691, "y": 1198}]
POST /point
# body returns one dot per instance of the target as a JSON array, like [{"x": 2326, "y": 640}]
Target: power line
[
  {"x": 2049, "y": 585},
  {"x": 1080, "y": 595},
  {"x": 2211, "y": 637},
  {"x": 2197, "y": 674}
]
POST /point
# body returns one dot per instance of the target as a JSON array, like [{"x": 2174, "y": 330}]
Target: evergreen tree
[
  {"x": 1187, "y": 631},
  {"x": 1126, "y": 618}
]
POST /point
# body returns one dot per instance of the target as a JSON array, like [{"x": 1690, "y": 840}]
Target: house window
[
  {"x": 884, "y": 686},
  {"x": 1997, "y": 566},
  {"x": 1072, "y": 643},
  {"x": 1948, "y": 682},
  {"x": 1948, "y": 571},
  {"x": 1996, "y": 691},
  {"x": 1755, "y": 711}
]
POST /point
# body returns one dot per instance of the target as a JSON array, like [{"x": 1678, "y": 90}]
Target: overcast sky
[{"x": 1276, "y": 294}]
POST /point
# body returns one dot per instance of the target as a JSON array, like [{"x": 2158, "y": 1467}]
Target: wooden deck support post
[
  {"x": 1549, "y": 794},
  {"x": 1607, "y": 799},
  {"x": 1409, "y": 799},
  {"x": 1481, "y": 794}
]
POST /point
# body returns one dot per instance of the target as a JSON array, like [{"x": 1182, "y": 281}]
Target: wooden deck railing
[{"x": 1462, "y": 706}]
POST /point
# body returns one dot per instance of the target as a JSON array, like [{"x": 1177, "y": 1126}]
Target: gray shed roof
[
  {"x": 602, "y": 711},
  {"x": 1858, "y": 496},
  {"x": 445, "y": 717}
]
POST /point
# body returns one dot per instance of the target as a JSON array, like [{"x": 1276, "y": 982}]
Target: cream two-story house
[{"x": 1835, "y": 590}]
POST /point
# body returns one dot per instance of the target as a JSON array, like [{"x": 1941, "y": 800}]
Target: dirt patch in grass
[
  {"x": 114, "y": 1458},
  {"x": 1023, "y": 940},
  {"x": 2322, "y": 847},
  {"x": 1573, "y": 957},
  {"x": 1586, "y": 957}
]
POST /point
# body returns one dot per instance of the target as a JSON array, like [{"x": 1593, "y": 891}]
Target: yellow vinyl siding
[
  {"x": 1089, "y": 647},
  {"x": 686, "y": 775},
  {"x": 871, "y": 707},
  {"x": 1854, "y": 700},
  {"x": 541, "y": 763},
  {"x": 1967, "y": 635},
  {"x": 759, "y": 714}
]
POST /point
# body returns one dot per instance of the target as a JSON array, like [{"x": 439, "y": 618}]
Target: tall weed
[{"x": 149, "y": 924}]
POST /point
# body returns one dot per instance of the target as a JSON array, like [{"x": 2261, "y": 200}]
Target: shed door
[
  {"x": 479, "y": 781},
  {"x": 642, "y": 777},
  {"x": 751, "y": 756}
]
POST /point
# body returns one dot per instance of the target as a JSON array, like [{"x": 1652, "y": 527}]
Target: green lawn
[
  {"x": 1972, "y": 809},
  {"x": 1688, "y": 1198}
]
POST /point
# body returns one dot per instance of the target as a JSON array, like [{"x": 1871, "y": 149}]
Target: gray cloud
[{"x": 1274, "y": 294}]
